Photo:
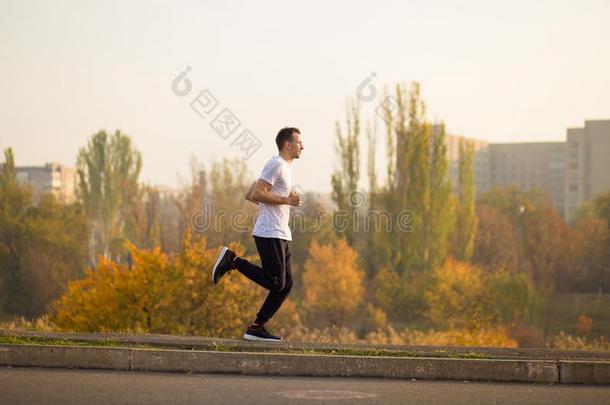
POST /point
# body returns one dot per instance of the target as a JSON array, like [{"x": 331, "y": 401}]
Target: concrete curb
[
  {"x": 65, "y": 357},
  {"x": 584, "y": 372},
  {"x": 344, "y": 366},
  {"x": 533, "y": 371}
]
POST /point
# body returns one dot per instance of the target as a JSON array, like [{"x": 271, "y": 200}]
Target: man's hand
[{"x": 294, "y": 199}]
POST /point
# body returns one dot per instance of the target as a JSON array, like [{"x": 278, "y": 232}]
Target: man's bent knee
[
  {"x": 284, "y": 288},
  {"x": 278, "y": 283}
]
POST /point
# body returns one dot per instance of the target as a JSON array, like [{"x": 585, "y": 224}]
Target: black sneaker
[
  {"x": 259, "y": 333},
  {"x": 224, "y": 264}
]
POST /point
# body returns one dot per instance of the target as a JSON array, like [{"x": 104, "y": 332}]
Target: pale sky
[{"x": 505, "y": 71}]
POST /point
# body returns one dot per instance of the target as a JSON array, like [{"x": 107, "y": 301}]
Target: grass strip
[{"x": 218, "y": 347}]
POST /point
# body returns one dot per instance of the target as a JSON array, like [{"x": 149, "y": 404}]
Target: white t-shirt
[{"x": 273, "y": 219}]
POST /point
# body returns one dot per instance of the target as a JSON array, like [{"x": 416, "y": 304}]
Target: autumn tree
[
  {"x": 332, "y": 282},
  {"x": 538, "y": 231},
  {"x": 458, "y": 298},
  {"x": 213, "y": 205},
  {"x": 312, "y": 222},
  {"x": 464, "y": 296},
  {"x": 585, "y": 264},
  {"x": 496, "y": 245},
  {"x": 189, "y": 202},
  {"x": 144, "y": 221}
]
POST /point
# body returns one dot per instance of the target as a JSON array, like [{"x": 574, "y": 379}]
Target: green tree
[
  {"x": 42, "y": 245},
  {"x": 375, "y": 221},
  {"x": 440, "y": 210},
  {"x": 415, "y": 247},
  {"x": 345, "y": 180},
  {"x": 14, "y": 206},
  {"x": 512, "y": 297},
  {"x": 417, "y": 197},
  {"x": 402, "y": 139},
  {"x": 602, "y": 206},
  {"x": 108, "y": 169},
  {"x": 602, "y": 209},
  {"x": 466, "y": 225},
  {"x": 418, "y": 189}
]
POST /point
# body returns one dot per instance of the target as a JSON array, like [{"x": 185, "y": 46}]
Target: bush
[
  {"x": 42, "y": 324},
  {"x": 563, "y": 341},
  {"x": 158, "y": 294},
  {"x": 462, "y": 296}
]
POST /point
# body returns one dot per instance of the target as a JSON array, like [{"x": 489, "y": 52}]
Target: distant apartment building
[
  {"x": 524, "y": 165},
  {"x": 530, "y": 165},
  {"x": 571, "y": 172},
  {"x": 588, "y": 163},
  {"x": 51, "y": 178}
]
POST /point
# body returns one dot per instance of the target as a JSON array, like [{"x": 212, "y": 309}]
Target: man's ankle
[{"x": 233, "y": 261}]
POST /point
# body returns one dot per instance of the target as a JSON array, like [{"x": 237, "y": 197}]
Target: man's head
[{"x": 288, "y": 142}]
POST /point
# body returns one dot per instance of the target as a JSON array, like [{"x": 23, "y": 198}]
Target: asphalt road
[{"x": 65, "y": 386}]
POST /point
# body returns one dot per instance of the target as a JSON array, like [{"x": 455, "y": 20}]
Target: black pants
[{"x": 275, "y": 275}]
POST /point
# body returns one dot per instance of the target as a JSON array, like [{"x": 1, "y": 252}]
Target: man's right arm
[
  {"x": 249, "y": 193},
  {"x": 262, "y": 193}
]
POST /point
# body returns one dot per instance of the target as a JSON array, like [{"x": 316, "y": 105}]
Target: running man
[{"x": 272, "y": 192}]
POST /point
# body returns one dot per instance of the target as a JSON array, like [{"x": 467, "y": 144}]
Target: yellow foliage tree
[
  {"x": 158, "y": 294},
  {"x": 332, "y": 283},
  {"x": 458, "y": 297}
]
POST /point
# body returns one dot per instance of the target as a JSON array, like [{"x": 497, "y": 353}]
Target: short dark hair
[{"x": 285, "y": 135}]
